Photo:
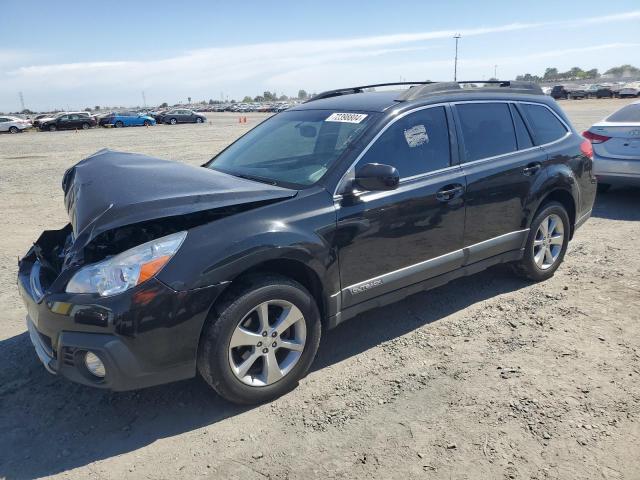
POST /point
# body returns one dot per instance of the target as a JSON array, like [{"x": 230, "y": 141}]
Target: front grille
[{"x": 68, "y": 354}]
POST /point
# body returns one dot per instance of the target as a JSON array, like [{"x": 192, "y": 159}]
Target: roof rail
[
  {"x": 422, "y": 89},
  {"x": 489, "y": 86},
  {"x": 360, "y": 89}
]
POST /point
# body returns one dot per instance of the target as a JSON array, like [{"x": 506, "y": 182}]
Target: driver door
[{"x": 392, "y": 239}]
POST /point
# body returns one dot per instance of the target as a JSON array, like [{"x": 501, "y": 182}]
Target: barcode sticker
[{"x": 346, "y": 117}]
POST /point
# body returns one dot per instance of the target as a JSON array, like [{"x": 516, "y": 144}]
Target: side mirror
[{"x": 377, "y": 177}]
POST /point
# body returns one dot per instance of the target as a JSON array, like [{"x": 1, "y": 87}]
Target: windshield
[{"x": 292, "y": 148}]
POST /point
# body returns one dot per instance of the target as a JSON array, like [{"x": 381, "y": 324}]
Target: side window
[
  {"x": 487, "y": 130},
  {"x": 522, "y": 134},
  {"x": 415, "y": 144},
  {"x": 546, "y": 126},
  {"x": 2, "y": 120}
]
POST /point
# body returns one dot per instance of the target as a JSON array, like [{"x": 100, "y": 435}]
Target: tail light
[
  {"x": 594, "y": 137},
  {"x": 587, "y": 149}
]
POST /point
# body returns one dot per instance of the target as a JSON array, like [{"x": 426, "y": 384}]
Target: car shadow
[
  {"x": 50, "y": 425},
  {"x": 618, "y": 204}
]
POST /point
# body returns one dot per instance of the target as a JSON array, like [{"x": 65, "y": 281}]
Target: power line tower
[{"x": 21, "y": 100}]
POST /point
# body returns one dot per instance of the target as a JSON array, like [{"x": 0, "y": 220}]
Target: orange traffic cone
[
  {"x": 245, "y": 119},
  {"x": 239, "y": 119}
]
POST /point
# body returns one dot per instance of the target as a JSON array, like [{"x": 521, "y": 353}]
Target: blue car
[{"x": 126, "y": 119}]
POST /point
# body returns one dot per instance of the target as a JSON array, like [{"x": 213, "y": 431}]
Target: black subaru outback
[{"x": 350, "y": 201}]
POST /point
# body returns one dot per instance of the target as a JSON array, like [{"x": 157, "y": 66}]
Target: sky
[{"x": 74, "y": 54}]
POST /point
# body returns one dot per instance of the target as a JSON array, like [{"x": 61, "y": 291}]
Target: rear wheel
[
  {"x": 198, "y": 120},
  {"x": 52, "y": 128},
  {"x": 14, "y": 130},
  {"x": 546, "y": 244},
  {"x": 262, "y": 342},
  {"x": 118, "y": 124},
  {"x": 86, "y": 126},
  {"x": 146, "y": 123},
  {"x": 173, "y": 121}
]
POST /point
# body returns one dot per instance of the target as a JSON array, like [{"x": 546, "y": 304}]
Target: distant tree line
[{"x": 552, "y": 74}]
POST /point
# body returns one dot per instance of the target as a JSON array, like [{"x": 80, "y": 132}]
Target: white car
[
  {"x": 13, "y": 124},
  {"x": 616, "y": 148},
  {"x": 630, "y": 90}
]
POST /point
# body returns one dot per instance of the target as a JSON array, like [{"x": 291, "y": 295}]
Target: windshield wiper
[{"x": 255, "y": 178}]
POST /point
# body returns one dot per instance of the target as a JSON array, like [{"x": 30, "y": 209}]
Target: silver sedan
[
  {"x": 13, "y": 124},
  {"x": 616, "y": 147}
]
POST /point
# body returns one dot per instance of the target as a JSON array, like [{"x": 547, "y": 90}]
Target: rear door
[
  {"x": 501, "y": 164},
  {"x": 390, "y": 240}
]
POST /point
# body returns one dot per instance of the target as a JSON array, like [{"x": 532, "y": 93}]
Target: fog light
[{"x": 94, "y": 365}]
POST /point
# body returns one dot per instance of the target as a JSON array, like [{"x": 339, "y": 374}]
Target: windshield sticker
[
  {"x": 416, "y": 136},
  {"x": 346, "y": 117}
]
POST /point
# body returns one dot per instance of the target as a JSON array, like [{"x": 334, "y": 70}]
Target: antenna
[
  {"x": 455, "y": 61},
  {"x": 21, "y": 100}
]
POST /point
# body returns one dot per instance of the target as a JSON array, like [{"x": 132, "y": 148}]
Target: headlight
[{"x": 127, "y": 269}]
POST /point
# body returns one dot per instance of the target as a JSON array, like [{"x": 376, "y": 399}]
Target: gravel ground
[{"x": 487, "y": 377}]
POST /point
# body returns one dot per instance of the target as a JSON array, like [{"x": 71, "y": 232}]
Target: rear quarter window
[
  {"x": 487, "y": 130},
  {"x": 545, "y": 125}
]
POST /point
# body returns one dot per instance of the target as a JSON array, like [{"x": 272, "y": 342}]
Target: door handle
[
  {"x": 449, "y": 192},
  {"x": 532, "y": 168}
]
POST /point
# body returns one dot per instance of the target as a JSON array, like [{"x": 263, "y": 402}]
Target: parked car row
[
  {"x": 249, "y": 107},
  {"x": 566, "y": 92},
  {"x": 85, "y": 120}
]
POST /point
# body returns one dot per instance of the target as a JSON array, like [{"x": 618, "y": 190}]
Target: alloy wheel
[
  {"x": 267, "y": 343},
  {"x": 548, "y": 242}
]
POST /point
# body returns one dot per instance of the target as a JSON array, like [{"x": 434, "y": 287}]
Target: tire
[
  {"x": 252, "y": 385},
  {"x": 146, "y": 123},
  {"x": 118, "y": 124},
  {"x": 173, "y": 121},
  {"x": 86, "y": 126},
  {"x": 603, "y": 187},
  {"x": 198, "y": 120},
  {"x": 52, "y": 128},
  {"x": 530, "y": 266},
  {"x": 14, "y": 130}
]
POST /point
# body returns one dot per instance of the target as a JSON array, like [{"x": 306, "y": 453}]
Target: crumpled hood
[{"x": 112, "y": 189}]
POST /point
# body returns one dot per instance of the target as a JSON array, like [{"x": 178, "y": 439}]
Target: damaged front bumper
[{"x": 145, "y": 336}]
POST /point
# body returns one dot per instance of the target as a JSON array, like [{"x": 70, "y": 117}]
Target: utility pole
[
  {"x": 21, "y": 100},
  {"x": 144, "y": 100},
  {"x": 455, "y": 61},
  {"x": 495, "y": 72}
]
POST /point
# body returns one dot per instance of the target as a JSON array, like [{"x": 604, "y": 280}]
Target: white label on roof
[
  {"x": 416, "y": 136},
  {"x": 346, "y": 117}
]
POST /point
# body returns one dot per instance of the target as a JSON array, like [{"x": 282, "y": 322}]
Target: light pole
[
  {"x": 495, "y": 72},
  {"x": 455, "y": 61}
]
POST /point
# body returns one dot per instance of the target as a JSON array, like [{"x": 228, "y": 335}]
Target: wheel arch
[{"x": 566, "y": 199}]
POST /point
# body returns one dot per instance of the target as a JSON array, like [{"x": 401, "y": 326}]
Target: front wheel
[
  {"x": 118, "y": 124},
  {"x": 198, "y": 120},
  {"x": 14, "y": 130},
  {"x": 146, "y": 123},
  {"x": 52, "y": 128},
  {"x": 86, "y": 126},
  {"x": 262, "y": 342},
  {"x": 546, "y": 244},
  {"x": 173, "y": 121}
]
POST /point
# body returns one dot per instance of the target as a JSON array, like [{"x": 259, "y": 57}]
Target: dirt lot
[{"x": 487, "y": 377}]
